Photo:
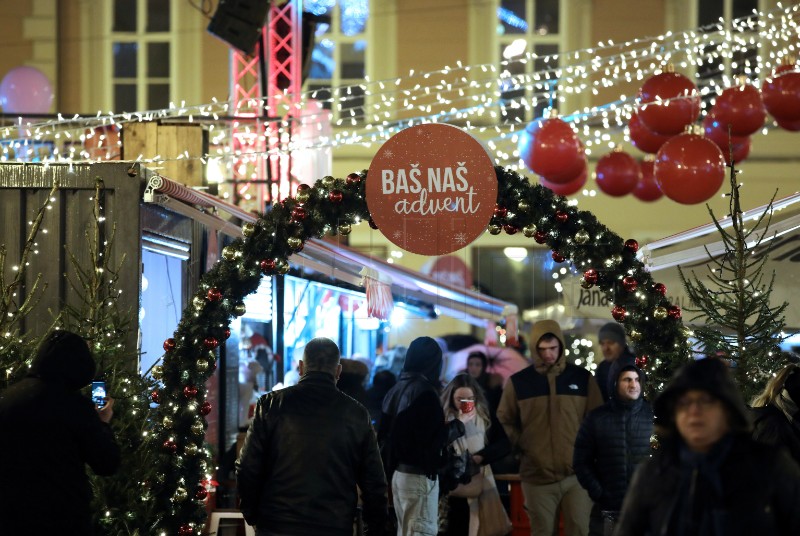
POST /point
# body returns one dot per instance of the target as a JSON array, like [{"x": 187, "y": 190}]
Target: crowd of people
[{"x": 413, "y": 456}]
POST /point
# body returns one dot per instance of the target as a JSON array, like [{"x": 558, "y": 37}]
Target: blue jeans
[{"x": 416, "y": 504}]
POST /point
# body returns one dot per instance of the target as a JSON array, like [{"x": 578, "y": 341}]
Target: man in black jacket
[
  {"x": 614, "y": 346},
  {"x": 49, "y": 432},
  {"x": 413, "y": 432},
  {"x": 309, "y": 449},
  {"x": 612, "y": 441}
]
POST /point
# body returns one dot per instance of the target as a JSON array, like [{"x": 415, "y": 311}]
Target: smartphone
[{"x": 99, "y": 396}]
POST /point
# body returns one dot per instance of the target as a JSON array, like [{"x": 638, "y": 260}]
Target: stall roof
[{"x": 335, "y": 260}]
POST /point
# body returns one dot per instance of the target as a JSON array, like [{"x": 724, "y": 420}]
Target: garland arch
[{"x": 332, "y": 206}]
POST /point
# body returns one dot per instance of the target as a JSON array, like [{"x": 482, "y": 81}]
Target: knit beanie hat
[{"x": 612, "y": 332}]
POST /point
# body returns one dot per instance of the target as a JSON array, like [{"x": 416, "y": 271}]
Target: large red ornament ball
[
  {"x": 647, "y": 190},
  {"x": 550, "y": 148},
  {"x": 205, "y": 408},
  {"x": 617, "y": 173},
  {"x": 643, "y": 138},
  {"x": 741, "y": 109},
  {"x": 781, "y": 94},
  {"x": 190, "y": 391},
  {"x": 661, "y": 288},
  {"x": 169, "y": 345},
  {"x": 572, "y": 187},
  {"x": 353, "y": 179},
  {"x": 668, "y": 103},
  {"x": 716, "y": 132},
  {"x": 689, "y": 169},
  {"x": 590, "y": 276},
  {"x": 209, "y": 343},
  {"x": 619, "y": 312},
  {"x": 792, "y": 125},
  {"x": 629, "y": 283},
  {"x": 213, "y": 294},
  {"x": 632, "y": 245}
]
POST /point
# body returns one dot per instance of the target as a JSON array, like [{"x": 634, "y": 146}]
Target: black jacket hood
[
  {"x": 64, "y": 358},
  {"x": 424, "y": 356}
]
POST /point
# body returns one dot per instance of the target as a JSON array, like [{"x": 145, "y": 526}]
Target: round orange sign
[{"x": 431, "y": 189}]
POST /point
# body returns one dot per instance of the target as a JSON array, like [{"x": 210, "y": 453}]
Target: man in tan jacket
[{"x": 541, "y": 410}]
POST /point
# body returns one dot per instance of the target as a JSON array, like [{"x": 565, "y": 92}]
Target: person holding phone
[{"x": 50, "y": 432}]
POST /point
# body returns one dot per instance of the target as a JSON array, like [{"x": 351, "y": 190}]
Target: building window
[
  {"x": 720, "y": 62},
  {"x": 337, "y": 63},
  {"x": 527, "y": 27},
  {"x": 141, "y": 50}
]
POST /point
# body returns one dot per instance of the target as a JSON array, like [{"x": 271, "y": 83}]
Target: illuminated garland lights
[
  {"x": 473, "y": 101},
  {"x": 333, "y": 206}
]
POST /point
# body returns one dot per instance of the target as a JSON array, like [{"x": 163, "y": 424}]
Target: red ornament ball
[
  {"x": 557, "y": 257},
  {"x": 661, "y": 288},
  {"x": 619, "y": 312},
  {"x": 617, "y": 173},
  {"x": 214, "y": 294},
  {"x": 169, "y": 345},
  {"x": 550, "y": 148},
  {"x": 227, "y": 333},
  {"x": 716, "y": 132},
  {"x": 267, "y": 266},
  {"x": 781, "y": 94},
  {"x": 335, "y": 196},
  {"x": 562, "y": 216},
  {"x": 641, "y": 361},
  {"x": 670, "y": 102},
  {"x": 632, "y": 245},
  {"x": 353, "y": 179},
  {"x": 299, "y": 213},
  {"x": 643, "y": 138},
  {"x": 540, "y": 237},
  {"x": 209, "y": 343},
  {"x": 741, "y": 109},
  {"x": 155, "y": 396},
  {"x": 205, "y": 408},
  {"x": 590, "y": 276},
  {"x": 792, "y": 125},
  {"x": 185, "y": 530},
  {"x": 629, "y": 283},
  {"x": 190, "y": 391},
  {"x": 500, "y": 211},
  {"x": 170, "y": 446},
  {"x": 647, "y": 190},
  {"x": 510, "y": 229},
  {"x": 201, "y": 493},
  {"x": 568, "y": 188},
  {"x": 674, "y": 312},
  {"x": 689, "y": 169}
]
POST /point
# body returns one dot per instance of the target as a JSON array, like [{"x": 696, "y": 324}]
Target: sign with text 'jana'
[{"x": 431, "y": 189}]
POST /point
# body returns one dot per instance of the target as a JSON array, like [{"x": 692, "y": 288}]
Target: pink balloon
[{"x": 25, "y": 90}]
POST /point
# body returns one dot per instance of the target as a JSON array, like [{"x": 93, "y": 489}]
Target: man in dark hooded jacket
[
  {"x": 413, "y": 432},
  {"x": 48, "y": 433},
  {"x": 709, "y": 477},
  {"x": 612, "y": 441}
]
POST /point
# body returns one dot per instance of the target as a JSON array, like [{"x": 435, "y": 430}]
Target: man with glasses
[
  {"x": 709, "y": 477},
  {"x": 541, "y": 410}
]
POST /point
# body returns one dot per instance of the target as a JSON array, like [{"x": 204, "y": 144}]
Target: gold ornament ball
[
  {"x": 294, "y": 242},
  {"x": 495, "y": 229},
  {"x": 167, "y": 422},
  {"x": 248, "y": 228},
  {"x": 581, "y": 237},
  {"x": 303, "y": 196},
  {"x": 180, "y": 495},
  {"x": 199, "y": 302},
  {"x": 327, "y": 181},
  {"x": 523, "y": 206},
  {"x": 202, "y": 365},
  {"x": 529, "y": 230},
  {"x": 158, "y": 372},
  {"x": 239, "y": 309},
  {"x": 198, "y": 428},
  {"x": 636, "y": 335},
  {"x": 344, "y": 229},
  {"x": 282, "y": 267},
  {"x": 229, "y": 253},
  {"x": 660, "y": 313},
  {"x": 191, "y": 449}
]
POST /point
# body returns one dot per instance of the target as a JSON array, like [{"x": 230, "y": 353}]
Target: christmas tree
[
  {"x": 737, "y": 320},
  {"x": 16, "y": 301},
  {"x": 121, "y": 503}
]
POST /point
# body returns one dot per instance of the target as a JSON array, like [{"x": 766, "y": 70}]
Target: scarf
[{"x": 789, "y": 408}]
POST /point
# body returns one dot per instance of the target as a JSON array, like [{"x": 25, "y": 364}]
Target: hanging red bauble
[
  {"x": 641, "y": 361},
  {"x": 590, "y": 276},
  {"x": 673, "y": 311},
  {"x": 267, "y": 266},
  {"x": 213, "y": 294},
  {"x": 185, "y": 530},
  {"x": 209, "y": 343},
  {"x": 689, "y": 169},
  {"x": 169, "y": 345},
  {"x": 647, "y": 189},
  {"x": 299, "y": 213},
  {"x": 716, "y": 132},
  {"x": 155, "y": 396},
  {"x": 790, "y": 125},
  {"x": 668, "y": 102},
  {"x": 618, "y": 312},
  {"x": 572, "y": 187},
  {"x": 661, "y": 288},
  {"x": 205, "y": 408},
  {"x": 540, "y": 237},
  {"x": 227, "y": 333},
  {"x": 510, "y": 229},
  {"x": 190, "y": 391},
  {"x": 631, "y": 245},
  {"x": 557, "y": 257},
  {"x": 629, "y": 283},
  {"x": 617, "y": 173},
  {"x": 170, "y": 446},
  {"x": 550, "y": 148},
  {"x": 643, "y": 138},
  {"x": 741, "y": 109},
  {"x": 562, "y": 216},
  {"x": 335, "y": 196},
  {"x": 781, "y": 93},
  {"x": 500, "y": 211},
  {"x": 201, "y": 493},
  {"x": 372, "y": 223},
  {"x": 353, "y": 179}
]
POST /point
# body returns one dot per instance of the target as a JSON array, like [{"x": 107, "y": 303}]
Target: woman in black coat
[
  {"x": 776, "y": 411},
  {"x": 709, "y": 477}
]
